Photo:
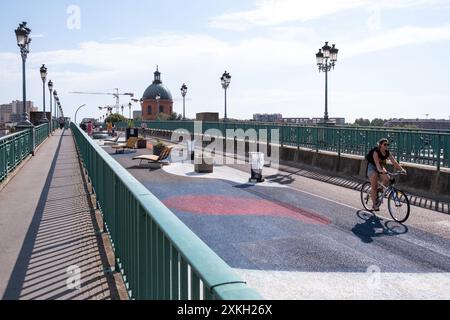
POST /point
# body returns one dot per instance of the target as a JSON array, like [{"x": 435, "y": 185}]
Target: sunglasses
[{"x": 386, "y": 144}]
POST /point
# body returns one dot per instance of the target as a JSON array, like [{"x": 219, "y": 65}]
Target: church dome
[{"x": 157, "y": 88}]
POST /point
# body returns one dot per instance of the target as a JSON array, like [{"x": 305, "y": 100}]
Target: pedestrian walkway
[{"x": 48, "y": 229}]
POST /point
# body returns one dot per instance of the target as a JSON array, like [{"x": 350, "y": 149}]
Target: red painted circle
[{"x": 221, "y": 205}]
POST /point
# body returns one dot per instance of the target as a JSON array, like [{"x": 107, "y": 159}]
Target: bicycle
[{"x": 398, "y": 202}]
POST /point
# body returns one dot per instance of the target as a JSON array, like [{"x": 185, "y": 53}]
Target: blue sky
[{"x": 392, "y": 61}]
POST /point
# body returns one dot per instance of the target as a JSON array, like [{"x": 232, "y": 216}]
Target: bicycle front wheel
[
  {"x": 398, "y": 205},
  {"x": 366, "y": 199}
]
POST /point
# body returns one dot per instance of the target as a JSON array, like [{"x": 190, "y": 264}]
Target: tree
[
  {"x": 362, "y": 122},
  {"x": 116, "y": 117},
  {"x": 377, "y": 122},
  {"x": 173, "y": 117}
]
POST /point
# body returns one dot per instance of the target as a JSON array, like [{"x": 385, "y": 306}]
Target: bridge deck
[
  {"x": 47, "y": 224},
  {"x": 293, "y": 237}
]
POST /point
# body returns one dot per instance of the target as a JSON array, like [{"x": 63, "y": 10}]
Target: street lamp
[
  {"x": 322, "y": 57},
  {"x": 43, "y": 71},
  {"x": 225, "y": 79},
  {"x": 77, "y": 112},
  {"x": 23, "y": 41},
  {"x": 183, "y": 93},
  {"x": 50, "y": 88},
  {"x": 129, "y": 107},
  {"x": 55, "y": 95}
]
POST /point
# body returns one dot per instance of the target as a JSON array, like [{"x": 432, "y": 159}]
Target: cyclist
[{"x": 376, "y": 168}]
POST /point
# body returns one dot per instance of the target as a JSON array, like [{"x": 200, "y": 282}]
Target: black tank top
[{"x": 380, "y": 156}]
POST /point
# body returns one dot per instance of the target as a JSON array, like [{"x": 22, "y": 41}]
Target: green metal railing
[
  {"x": 159, "y": 256},
  {"x": 55, "y": 124},
  {"x": 41, "y": 133},
  {"x": 429, "y": 147},
  {"x": 17, "y": 146},
  {"x": 13, "y": 149}
]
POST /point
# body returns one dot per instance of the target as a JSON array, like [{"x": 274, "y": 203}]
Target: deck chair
[
  {"x": 130, "y": 144},
  {"x": 151, "y": 158},
  {"x": 112, "y": 141}
]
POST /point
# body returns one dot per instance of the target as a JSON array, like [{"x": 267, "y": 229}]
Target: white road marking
[{"x": 291, "y": 285}]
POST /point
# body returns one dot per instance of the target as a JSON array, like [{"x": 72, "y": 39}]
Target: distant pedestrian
[
  {"x": 90, "y": 129},
  {"x": 109, "y": 128}
]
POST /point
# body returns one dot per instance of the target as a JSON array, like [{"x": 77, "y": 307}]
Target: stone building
[{"x": 156, "y": 99}]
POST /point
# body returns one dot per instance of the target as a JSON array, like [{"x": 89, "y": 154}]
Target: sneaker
[{"x": 375, "y": 208}]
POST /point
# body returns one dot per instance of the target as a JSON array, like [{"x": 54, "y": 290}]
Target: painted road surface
[{"x": 296, "y": 238}]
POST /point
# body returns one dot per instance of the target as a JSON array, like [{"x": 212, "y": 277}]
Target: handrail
[
  {"x": 41, "y": 133},
  {"x": 155, "y": 251},
  {"x": 14, "y": 148}
]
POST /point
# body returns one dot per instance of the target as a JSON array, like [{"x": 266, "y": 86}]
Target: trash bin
[
  {"x": 191, "y": 149},
  {"x": 256, "y": 166},
  {"x": 131, "y": 132}
]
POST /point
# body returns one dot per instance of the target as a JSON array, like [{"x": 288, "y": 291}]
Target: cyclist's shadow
[{"x": 374, "y": 226}]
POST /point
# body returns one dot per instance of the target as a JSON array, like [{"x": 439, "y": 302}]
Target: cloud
[
  {"x": 272, "y": 60},
  {"x": 276, "y": 12},
  {"x": 407, "y": 35}
]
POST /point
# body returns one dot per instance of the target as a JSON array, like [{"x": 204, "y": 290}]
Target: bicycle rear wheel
[
  {"x": 366, "y": 199},
  {"x": 398, "y": 205}
]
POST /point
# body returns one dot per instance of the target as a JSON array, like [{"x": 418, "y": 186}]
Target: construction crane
[{"x": 116, "y": 95}]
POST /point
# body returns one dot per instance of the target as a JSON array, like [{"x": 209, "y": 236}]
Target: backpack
[{"x": 369, "y": 156}]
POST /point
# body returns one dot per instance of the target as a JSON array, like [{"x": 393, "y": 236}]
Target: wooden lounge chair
[
  {"x": 130, "y": 144},
  {"x": 112, "y": 141},
  {"x": 151, "y": 158}
]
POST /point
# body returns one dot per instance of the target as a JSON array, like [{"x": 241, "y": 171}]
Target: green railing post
[
  {"x": 439, "y": 153},
  {"x": 338, "y": 132},
  {"x": 317, "y": 139}
]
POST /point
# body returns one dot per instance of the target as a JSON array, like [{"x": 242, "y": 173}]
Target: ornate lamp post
[
  {"x": 322, "y": 57},
  {"x": 55, "y": 95},
  {"x": 50, "y": 88},
  {"x": 129, "y": 107},
  {"x": 225, "y": 79},
  {"x": 183, "y": 93},
  {"x": 23, "y": 41},
  {"x": 43, "y": 71}
]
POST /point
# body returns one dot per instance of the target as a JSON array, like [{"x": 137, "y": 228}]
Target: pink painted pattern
[{"x": 222, "y": 205}]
